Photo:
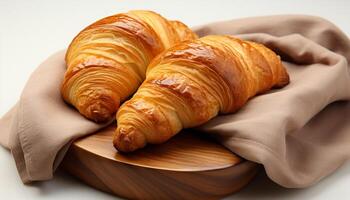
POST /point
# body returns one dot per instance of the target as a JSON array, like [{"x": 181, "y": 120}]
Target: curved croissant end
[
  {"x": 193, "y": 82},
  {"x": 107, "y": 61}
]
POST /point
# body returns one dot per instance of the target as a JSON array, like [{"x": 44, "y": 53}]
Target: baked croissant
[
  {"x": 107, "y": 61},
  {"x": 193, "y": 82}
]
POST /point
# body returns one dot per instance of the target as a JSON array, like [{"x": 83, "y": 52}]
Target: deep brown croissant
[
  {"x": 107, "y": 61},
  {"x": 193, "y": 82}
]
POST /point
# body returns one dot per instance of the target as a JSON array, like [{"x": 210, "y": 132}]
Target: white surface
[{"x": 32, "y": 30}]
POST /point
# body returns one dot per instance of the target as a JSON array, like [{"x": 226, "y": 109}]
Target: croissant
[
  {"x": 107, "y": 61},
  {"x": 193, "y": 82}
]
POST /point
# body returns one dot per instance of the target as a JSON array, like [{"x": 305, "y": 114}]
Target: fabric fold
[{"x": 271, "y": 128}]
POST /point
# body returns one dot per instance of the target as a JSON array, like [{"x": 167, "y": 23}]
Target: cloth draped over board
[{"x": 300, "y": 133}]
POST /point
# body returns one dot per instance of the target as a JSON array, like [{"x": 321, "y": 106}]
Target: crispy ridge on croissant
[
  {"x": 193, "y": 82},
  {"x": 107, "y": 61}
]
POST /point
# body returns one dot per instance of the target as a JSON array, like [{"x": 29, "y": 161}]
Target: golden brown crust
[
  {"x": 193, "y": 82},
  {"x": 183, "y": 31},
  {"x": 107, "y": 61}
]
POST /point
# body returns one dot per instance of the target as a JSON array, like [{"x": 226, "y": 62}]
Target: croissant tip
[
  {"x": 99, "y": 113},
  {"x": 128, "y": 139}
]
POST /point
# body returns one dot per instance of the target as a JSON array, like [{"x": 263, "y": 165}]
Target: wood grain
[{"x": 189, "y": 166}]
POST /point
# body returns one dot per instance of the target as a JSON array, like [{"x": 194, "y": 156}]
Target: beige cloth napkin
[{"x": 300, "y": 133}]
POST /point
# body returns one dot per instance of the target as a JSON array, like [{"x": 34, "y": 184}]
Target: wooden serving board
[{"x": 189, "y": 166}]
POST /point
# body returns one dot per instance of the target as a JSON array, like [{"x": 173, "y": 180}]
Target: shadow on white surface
[
  {"x": 264, "y": 188},
  {"x": 64, "y": 183},
  {"x": 62, "y": 186}
]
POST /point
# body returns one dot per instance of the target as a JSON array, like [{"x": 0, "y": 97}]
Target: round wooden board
[{"x": 188, "y": 166}]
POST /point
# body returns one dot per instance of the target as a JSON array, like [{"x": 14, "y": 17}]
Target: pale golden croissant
[
  {"x": 193, "y": 82},
  {"x": 107, "y": 61}
]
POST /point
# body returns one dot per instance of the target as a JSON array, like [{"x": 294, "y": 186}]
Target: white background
[{"x": 32, "y": 30}]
